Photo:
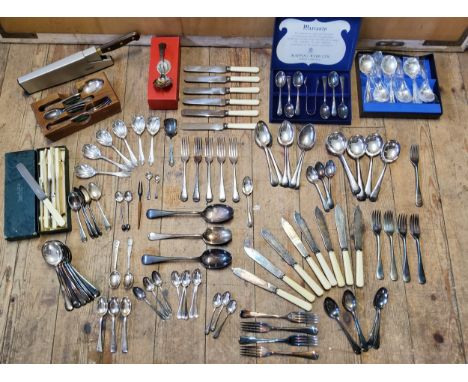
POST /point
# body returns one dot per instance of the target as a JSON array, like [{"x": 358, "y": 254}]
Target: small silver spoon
[
  {"x": 333, "y": 80},
  {"x": 298, "y": 81},
  {"x": 101, "y": 309},
  {"x": 148, "y": 176},
  {"x": 217, "y": 301},
  {"x": 313, "y": 178},
  {"x": 196, "y": 280},
  {"x": 128, "y": 277},
  {"x": 125, "y": 310},
  {"x": 114, "y": 277},
  {"x": 342, "y": 107},
  {"x": 289, "y": 107},
  {"x": 280, "y": 80},
  {"x": 128, "y": 196},
  {"x": 114, "y": 309},
  {"x": 247, "y": 188},
  {"x": 324, "y": 108},
  {"x": 230, "y": 309},
  {"x": 175, "y": 280}
]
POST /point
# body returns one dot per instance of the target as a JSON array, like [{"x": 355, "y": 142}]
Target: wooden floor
[{"x": 421, "y": 324}]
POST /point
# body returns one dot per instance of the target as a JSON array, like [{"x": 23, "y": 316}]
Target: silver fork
[
  {"x": 221, "y": 154},
  {"x": 389, "y": 229},
  {"x": 263, "y": 327},
  {"x": 377, "y": 228},
  {"x": 294, "y": 340},
  {"x": 261, "y": 351},
  {"x": 233, "y": 156},
  {"x": 184, "y": 156},
  {"x": 414, "y": 158},
  {"x": 295, "y": 317},
  {"x": 197, "y": 158},
  {"x": 402, "y": 230},
  {"x": 416, "y": 233},
  {"x": 208, "y": 159}
]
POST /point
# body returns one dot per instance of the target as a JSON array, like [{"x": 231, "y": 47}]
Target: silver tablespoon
[
  {"x": 286, "y": 139},
  {"x": 217, "y": 301},
  {"x": 374, "y": 144},
  {"x": 390, "y": 153},
  {"x": 101, "y": 309},
  {"x": 114, "y": 309},
  {"x": 356, "y": 150},
  {"x": 264, "y": 140},
  {"x": 114, "y": 277},
  {"x": 153, "y": 125},
  {"x": 280, "y": 80},
  {"x": 342, "y": 107},
  {"x": 305, "y": 142},
  {"x": 333, "y": 80},
  {"x": 105, "y": 139},
  {"x": 120, "y": 130},
  {"x": 92, "y": 152},
  {"x": 95, "y": 194},
  {"x": 289, "y": 107},
  {"x": 211, "y": 236},
  {"x": 125, "y": 310},
  {"x": 313, "y": 177},
  {"x": 324, "y": 108},
  {"x": 128, "y": 277},
  {"x": 230, "y": 309},
  {"x": 138, "y": 125},
  {"x": 298, "y": 81},
  {"x": 196, "y": 279}
]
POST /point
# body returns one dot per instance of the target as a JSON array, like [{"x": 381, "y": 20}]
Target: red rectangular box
[{"x": 164, "y": 99}]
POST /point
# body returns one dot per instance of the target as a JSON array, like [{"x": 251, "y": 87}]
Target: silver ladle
[{"x": 120, "y": 130}]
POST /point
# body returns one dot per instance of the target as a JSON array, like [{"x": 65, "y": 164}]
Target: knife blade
[
  {"x": 221, "y": 91},
  {"x": 220, "y": 102},
  {"x": 284, "y": 254},
  {"x": 190, "y": 126},
  {"x": 314, "y": 247},
  {"x": 220, "y": 79},
  {"x": 293, "y": 236},
  {"x": 40, "y": 194},
  {"x": 219, "y": 113},
  {"x": 278, "y": 273},
  {"x": 340, "y": 222},
  {"x": 221, "y": 69},
  {"x": 257, "y": 281},
  {"x": 323, "y": 229},
  {"x": 358, "y": 230}
]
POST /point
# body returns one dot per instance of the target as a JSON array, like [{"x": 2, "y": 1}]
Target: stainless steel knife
[
  {"x": 257, "y": 281},
  {"x": 307, "y": 235},
  {"x": 293, "y": 236},
  {"x": 220, "y": 102},
  {"x": 221, "y": 69},
  {"x": 284, "y": 254},
  {"x": 219, "y": 113},
  {"x": 221, "y": 79},
  {"x": 358, "y": 231},
  {"x": 278, "y": 273},
  {"x": 216, "y": 126},
  {"x": 40, "y": 194},
  {"x": 221, "y": 91},
  {"x": 322, "y": 224},
  {"x": 340, "y": 222}
]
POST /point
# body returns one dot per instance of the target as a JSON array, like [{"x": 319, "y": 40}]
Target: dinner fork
[
  {"x": 416, "y": 233},
  {"x": 221, "y": 155},
  {"x": 389, "y": 229},
  {"x": 414, "y": 158},
  {"x": 261, "y": 351},
  {"x": 184, "y": 156},
  {"x": 294, "y": 340},
  {"x": 296, "y": 317},
  {"x": 233, "y": 155},
  {"x": 208, "y": 160},
  {"x": 377, "y": 228},
  {"x": 402, "y": 230},
  {"x": 263, "y": 327},
  {"x": 197, "y": 158}
]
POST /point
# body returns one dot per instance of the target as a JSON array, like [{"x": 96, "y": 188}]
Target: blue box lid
[{"x": 314, "y": 43}]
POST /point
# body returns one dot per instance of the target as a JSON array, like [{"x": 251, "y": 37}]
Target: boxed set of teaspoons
[{"x": 36, "y": 189}]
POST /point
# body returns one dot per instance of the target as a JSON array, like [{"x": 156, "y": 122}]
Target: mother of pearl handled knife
[
  {"x": 221, "y": 91},
  {"x": 216, "y": 126},
  {"x": 219, "y": 113},
  {"x": 289, "y": 230},
  {"x": 343, "y": 240},
  {"x": 322, "y": 224},
  {"x": 358, "y": 229},
  {"x": 284, "y": 254},
  {"x": 221, "y": 79},
  {"x": 251, "y": 278},
  {"x": 221, "y": 69},
  {"x": 270, "y": 267},
  {"x": 220, "y": 102}
]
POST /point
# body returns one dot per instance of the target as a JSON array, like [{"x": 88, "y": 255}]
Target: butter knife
[
  {"x": 221, "y": 69},
  {"x": 340, "y": 222},
  {"x": 220, "y": 101},
  {"x": 216, "y": 126},
  {"x": 358, "y": 230},
  {"x": 221, "y": 91},
  {"x": 219, "y": 113},
  {"x": 221, "y": 79}
]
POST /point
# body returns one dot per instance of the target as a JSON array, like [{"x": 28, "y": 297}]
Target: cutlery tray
[
  {"x": 62, "y": 126},
  {"x": 24, "y": 215}
]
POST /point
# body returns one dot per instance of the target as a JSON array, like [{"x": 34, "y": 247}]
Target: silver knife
[
  {"x": 251, "y": 278},
  {"x": 219, "y": 113},
  {"x": 221, "y": 91},
  {"x": 358, "y": 230},
  {"x": 340, "y": 221},
  {"x": 284, "y": 254},
  {"x": 216, "y": 126},
  {"x": 220, "y": 101},
  {"x": 322, "y": 224},
  {"x": 221, "y": 79},
  {"x": 293, "y": 236},
  {"x": 307, "y": 235},
  {"x": 40, "y": 194},
  {"x": 221, "y": 69}
]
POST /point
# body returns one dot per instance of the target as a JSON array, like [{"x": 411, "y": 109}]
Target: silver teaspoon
[{"x": 197, "y": 279}]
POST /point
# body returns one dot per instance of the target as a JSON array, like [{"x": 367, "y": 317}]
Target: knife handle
[
  {"x": 307, "y": 306},
  {"x": 318, "y": 273},
  {"x": 326, "y": 269},
  {"x": 242, "y": 113},
  {"x": 244, "y": 79},
  {"x": 241, "y": 126},
  {"x": 55, "y": 215},
  {"x": 119, "y": 41},
  {"x": 348, "y": 268},
  {"x": 336, "y": 269},
  {"x": 241, "y": 90},
  {"x": 244, "y": 69},
  {"x": 310, "y": 282},
  {"x": 299, "y": 289},
  {"x": 243, "y": 102},
  {"x": 359, "y": 269}
]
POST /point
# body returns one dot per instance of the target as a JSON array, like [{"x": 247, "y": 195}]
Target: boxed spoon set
[{"x": 307, "y": 50}]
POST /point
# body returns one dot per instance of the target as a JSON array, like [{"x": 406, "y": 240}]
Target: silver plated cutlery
[
  {"x": 377, "y": 228},
  {"x": 416, "y": 233},
  {"x": 197, "y": 158},
  {"x": 389, "y": 229},
  {"x": 221, "y": 79},
  {"x": 233, "y": 157},
  {"x": 191, "y": 126},
  {"x": 221, "y": 157},
  {"x": 184, "y": 157},
  {"x": 414, "y": 159},
  {"x": 294, "y": 317},
  {"x": 221, "y": 91},
  {"x": 402, "y": 225},
  {"x": 258, "y": 351},
  {"x": 220, "y": 102},
  {"x": 218, "y": 113},
  {"x": 209, "y": 160},
  {"x": 221, "y": 69}
]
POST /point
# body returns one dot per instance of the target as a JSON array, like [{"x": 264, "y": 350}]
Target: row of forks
[
  {"x": 389, "y": 229},
  {"x": 209, "y": 158}
]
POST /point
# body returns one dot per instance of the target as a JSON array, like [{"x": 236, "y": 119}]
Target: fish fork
[
  {"x": 294, "y": 340},
  {"x": 208, "y": 160},
  {"x": 389, "y": 229},
  {"x": 402, "y": 230},
  {"x": 221, "y": 155},
  {"x": 296, "y": 317},
  {"x": 377, "y": 228},
  {"x": 197, "y": 158},
  {"x": 184, "y": 156},
  {"x": 416, "y": 233},
  {"x": 414, "y": 159},
  {"x": 263, "y": 327},
  {"x": 261, "y": 351},
  {"x": 233, "y": 156}
]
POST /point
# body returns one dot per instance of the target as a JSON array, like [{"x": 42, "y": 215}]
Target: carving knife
[
  {"x": 340, "y": 221},
  {"x": 221, "y": 91},
  {"x": 322, "y": 224},
  {"x": 40, "y": 194},
  {"x": 220, "y": 101},
  {"x": 221, "y": 69},
  {"x": 293, "y": 236},
  {"x": 219, "y": 113},
  {"x": 284, "y": 254},
  {"x": 358, "y": 231},
  {"x": 278, "y": 273},
  {"x": 251, "y": 278},
  {"x": 216, "y": 126},
  {"x": 307, "y": 235},
  {"x": 221, "y": 79}
]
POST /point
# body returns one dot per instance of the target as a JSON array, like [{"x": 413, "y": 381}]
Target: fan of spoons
[{"x": 221, "y": 302}]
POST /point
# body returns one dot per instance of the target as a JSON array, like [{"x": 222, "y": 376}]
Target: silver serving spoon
[
  {"x": 213, "y": 258},
  {"x": 289, "y": 107},
  {"x": 313, "y": 178},
  {"x": 389, "y": 66},
  {"x": 264, "y": 140},
  {"x": 390, "y": 153},
  {"x": 176, "y": 280},
  {"x": 412, "y": 68},
  {"x": 350, "y": 304},
  {"x": 170, "y": 128},
  {"x": 226, "y": 298},
  {"x": 119, "y": 198},
  {"x": 320, "y": 168},
  {"x": 280, "y": 80},
  {"x": 182, "y": 312},
  {"x": 342, "y": 108},
  {"x": 333, "y": 81},
  {"x": 105, "y": 139},
  {"x": 247, "y": 188},
  {"x": 324, "y": 108},
  {"x": 101, "y": 309},
  {"x": 230, "y": 309},
  {"x": 211, "y": 236},
  {"x": 139, "y": 125},
  {"x": 305, "y": 142},
  {"x": 125, "y": 310},
  {"x": 128, "y": 277},
  {"x": 153, "y": 125},
  {"x": 356, "y": 150},
  {"x": 114, "y": 309},
  {"x": 52, "y": 114},
  {"x": 95, "y": 194},
  {"x": 366, "y": 66},
  {"x": 128, "y": 196},
  {"x": 374, "y": 144},
  {"x": 114, "y": 277},
  {"x": 120, "y": 130},
  {"x": 286, "y": 139},
  {"x": 196, "y": 280},
  {"x": 425, "y": 92},
  {"x": 217, "y": 302},
  {"x": 214, "y": 213},
  {"x": 298, "y": 81},
  {"x": 85, "y": 171},
  {"x": 75, "y": 204}
]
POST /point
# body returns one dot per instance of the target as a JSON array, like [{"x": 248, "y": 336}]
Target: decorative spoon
[
  {"x": 138, "y": 125},
  {"x": 120, "y": 130}
]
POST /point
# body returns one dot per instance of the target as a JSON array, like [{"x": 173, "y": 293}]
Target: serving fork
[
  {"x": 208, "y": 160},
  {"x": 294, "y": 340},
  {"x": 414, "y": 159},
  {"x": 377, "y": 228},
  {"x": 295, "y": 317},
  {"x": 197, "y": 158},
  {"x": 416, "y": 233},
  {"x": 184, "y": 156},
  {"x": 402, "y": 230},
  {"x": 263, "y": 327},
  {"x": 221, "y": 156},
  {"x": 233, "y": 156},
  {"x": 261, "y": 351},
  {"x": 389, "y": 229}
]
